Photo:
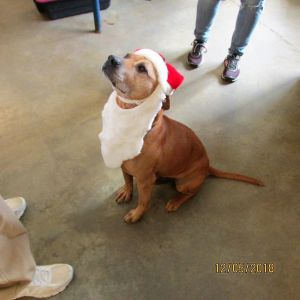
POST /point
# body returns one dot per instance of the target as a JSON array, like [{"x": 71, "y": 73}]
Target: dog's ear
[{"x": 166, "y": 103}]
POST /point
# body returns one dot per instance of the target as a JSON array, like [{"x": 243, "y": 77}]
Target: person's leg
[
  {"x": 17, "y": 263},
  {"x": 19, "y": 275},
  {"x": 206, "y": 11},
  {"x": 248, "y": 16}
]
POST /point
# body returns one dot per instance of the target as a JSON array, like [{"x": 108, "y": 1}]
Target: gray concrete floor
[{"x": 51, "y": 97}]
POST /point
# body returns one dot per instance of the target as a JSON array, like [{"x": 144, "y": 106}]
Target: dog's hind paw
[
  {"x": 172, "y": 206},
  {"x": 176, "y": 202}
]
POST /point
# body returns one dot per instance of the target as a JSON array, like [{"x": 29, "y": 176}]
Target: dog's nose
[{"x": 114, "y": 60}]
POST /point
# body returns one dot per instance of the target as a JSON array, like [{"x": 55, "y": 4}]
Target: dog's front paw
[
  {"x": 124, "y": 195},
  {"x": 133, "y": 216}
]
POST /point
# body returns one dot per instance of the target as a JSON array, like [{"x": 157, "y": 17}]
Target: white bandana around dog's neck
[{"x": 123, "y": 130}]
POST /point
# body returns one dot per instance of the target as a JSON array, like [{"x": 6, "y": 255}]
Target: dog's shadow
[{"x": 106, "y": 216}]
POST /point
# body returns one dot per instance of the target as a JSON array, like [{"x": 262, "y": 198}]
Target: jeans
[{"x": 248, "y": 16}]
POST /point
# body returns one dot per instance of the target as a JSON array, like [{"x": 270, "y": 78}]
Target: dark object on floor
[{"x": 56, "y": 9}]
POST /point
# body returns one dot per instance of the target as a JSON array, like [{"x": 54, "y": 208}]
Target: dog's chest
[{"x": 123, "y": 132}]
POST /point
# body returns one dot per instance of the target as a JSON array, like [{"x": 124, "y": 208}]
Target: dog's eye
[{"x": 141, "y": 69}]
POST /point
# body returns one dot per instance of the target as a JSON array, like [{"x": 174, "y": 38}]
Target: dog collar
[
  {"x": 129, "y": 101},
  {"x": 138, "y": 102}
]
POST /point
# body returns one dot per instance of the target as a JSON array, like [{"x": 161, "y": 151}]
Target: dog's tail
[{"x": 233, "y": 176}]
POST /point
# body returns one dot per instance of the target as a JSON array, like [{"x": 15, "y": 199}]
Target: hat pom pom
[{"x": 175, "y": 78}]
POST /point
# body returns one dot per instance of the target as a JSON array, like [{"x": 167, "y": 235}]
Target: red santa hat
[{"x": 169, "y": 78}]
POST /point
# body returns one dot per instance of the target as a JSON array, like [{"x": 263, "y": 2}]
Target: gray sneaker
[
  {"x": 231, "y": 70},
  {"x": 195, "y": 56}
]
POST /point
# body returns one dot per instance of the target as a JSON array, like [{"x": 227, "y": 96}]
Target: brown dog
[{"x": 169, "y": 149}]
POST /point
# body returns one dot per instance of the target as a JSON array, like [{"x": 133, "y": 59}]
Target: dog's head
[{"x": 133, "y": 76}]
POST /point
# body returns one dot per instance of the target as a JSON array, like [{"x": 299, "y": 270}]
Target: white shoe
[
  {"x": 48, "y": 281},
  {"x": 17, "y": 205}
]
